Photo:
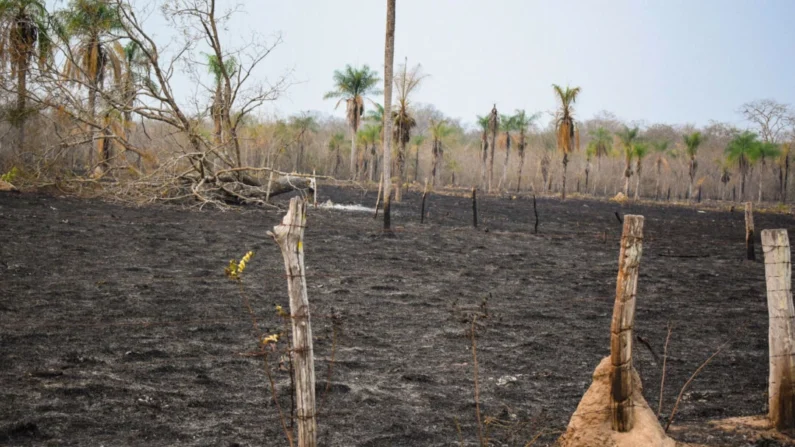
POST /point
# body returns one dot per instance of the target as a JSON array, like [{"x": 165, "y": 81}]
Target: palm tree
[
  {"x": 740, "y": 152},
  {"x": 134, "y": 73},
  {"x": 98, "y": 52},
  {"x": 25, "y": 36},
  {"x": 406, "y": 82},
  {"x": 660, "y": 149},
  {"x": 725, "y": 177},
  {"x": 352, "y": 85},
  {"x": 334, "y": 148},
  {"x": 764, "y": 151},
  {"x": 627, "y": 139},
  {"x": 439, "y": 131},
  {"x": 483, "y": 123},
  {"x": 416, "y": 142},
  {"x": 565, "y": 126},
  {"x": 303, "y": 125},
  {"x": 639, "y": 150},
  {"x": 494, "y": 125},
  {"x": 522, "y": 123},
  {"x": 507, "y": 125},
  {"x": 369, "y": 136},
  {"x": 692, "y": 142},
  {"x": 221, "y": 96},
  {"x": 600, "y": 146}
]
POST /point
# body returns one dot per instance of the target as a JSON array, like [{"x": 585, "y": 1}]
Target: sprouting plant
[
  {"x": 11, "y": 175},
  {"x": 234, "y": 270}
]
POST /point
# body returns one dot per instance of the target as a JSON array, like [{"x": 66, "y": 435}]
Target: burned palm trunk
[
  {"x": 484, "y": 153},
  {"x": 474, "y": 207},
  {"x": 621, "y": 399},
  {"x": 422, "y": 207},
  {"x": 778, "y": 276},
  {"x": 749, "y": 231},
  {"x": 289, "y": 235}
]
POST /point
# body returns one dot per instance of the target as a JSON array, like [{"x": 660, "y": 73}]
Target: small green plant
[{"x": 11, "y": 175}]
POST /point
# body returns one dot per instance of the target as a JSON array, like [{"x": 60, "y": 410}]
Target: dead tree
[
  {"x": 778, "y": 276},
  {"x": 749, "y": 231},
  {"x": 289, "y": 235},
  {"x": 621, "y": 401}
]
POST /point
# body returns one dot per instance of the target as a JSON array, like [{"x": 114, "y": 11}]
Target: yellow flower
[{"x": 270, "y": 339}]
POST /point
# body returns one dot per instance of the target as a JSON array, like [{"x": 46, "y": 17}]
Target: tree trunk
[
  {"x": 761, "y": 177},
  {"x": 621, "y": 337},
  {"x": 637, "y": 186},
  {"x": 417, "y": 164},
  {"x": 504, "y": 177},
  {"x": 484, "y": 149},
  {"x": 742, "y": 185},
  {"x": 474, "y": 207},
  {"x": 490, "y": 171},
  {"x": 22, "y": 94},
  {"x": 563, "y": 184},
  {"x": 389, "y": 58},
  {"x": 521, "y": 167},
  {"x": 401, "y": 169},
  {"x": 778, "y": 273},
  {"x": 289, "y": 235},
  {"x": 749, "y": 231},
  {"x": 353, "y": 152},
  {"x": 626, "y": 185},
  {"x": 786, "y": 179}
]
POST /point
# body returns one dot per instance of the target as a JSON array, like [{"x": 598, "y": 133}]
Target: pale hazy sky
[{"x": 675, "y": 61}]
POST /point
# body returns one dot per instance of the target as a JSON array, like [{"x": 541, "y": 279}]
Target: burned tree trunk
[
  {"x": 778, "y": 276},
  {"x": 289, "y": 235},
  {"x": 474, "y": 207},
  {"x": 621, "y": 402},
  {"x": 749, "y": 231}
]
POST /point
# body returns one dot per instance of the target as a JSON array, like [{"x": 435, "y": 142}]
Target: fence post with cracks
[
  {"x": 289, "y": 235},
  {"x": 778, "y": 276},
  {"x": 621, "y": 386}
]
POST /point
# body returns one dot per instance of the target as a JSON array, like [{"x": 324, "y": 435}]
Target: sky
[{"x": 671, "y": 61}]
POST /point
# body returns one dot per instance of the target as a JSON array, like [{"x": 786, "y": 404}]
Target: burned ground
[{"x": 119, "y": 327}]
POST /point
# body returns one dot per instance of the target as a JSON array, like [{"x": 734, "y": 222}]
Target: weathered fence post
[
  {"x": 290, "y": 237},
  {"x": 474, "y": 207},
  {"x": 749, "y": 231},
  {"x": 781, "y": 336},
  {"x": 621, "y": 399}
]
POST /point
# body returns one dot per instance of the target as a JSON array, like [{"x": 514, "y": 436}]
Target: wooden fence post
[
  {"x": 474, "y": 207},
  {"x": 290, "y": 237},
  {"x": 749, "y": 231},
  {"x": 621, "y": 399},
  {"x": 778, "y": 276}
]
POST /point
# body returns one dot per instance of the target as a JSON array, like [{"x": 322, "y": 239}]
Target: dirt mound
[
  {"x": 590, "y": 423},
  {"x": 5, "y": 186},
  {"x": 620, "y": 198}
]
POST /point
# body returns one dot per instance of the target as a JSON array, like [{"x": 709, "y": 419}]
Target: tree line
[{"x": 88, "y": 95}]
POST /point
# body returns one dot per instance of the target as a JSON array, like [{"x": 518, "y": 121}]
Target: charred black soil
[{"x": 119, "y": 327}]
